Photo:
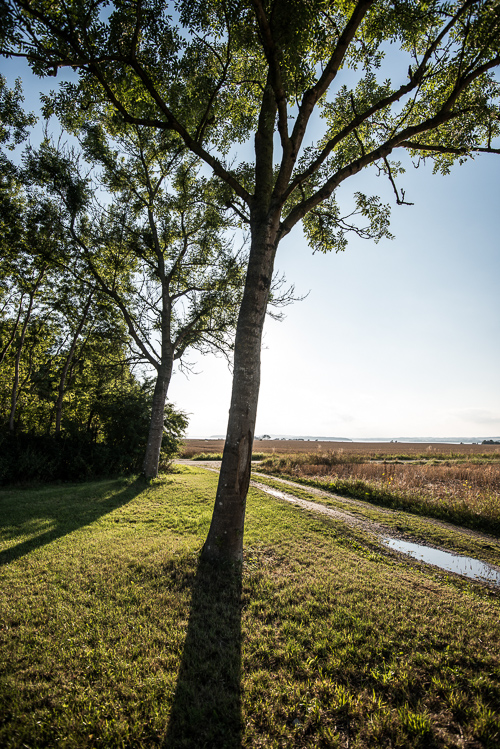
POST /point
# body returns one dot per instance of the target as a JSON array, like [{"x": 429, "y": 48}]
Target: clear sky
[{"x": 396, "y": 339}]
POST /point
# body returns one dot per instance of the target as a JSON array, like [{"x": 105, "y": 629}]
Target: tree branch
[
  {"x": 275, "y": 77},
  {"x": 447, "y": 149},
  {"x": 416, "y": 78},
  {"x": 311, "y": 96},
  {"x": 299, "y": 211},
  {"x": 87, "y": 61},
  {"x": 399, "y": 201}
]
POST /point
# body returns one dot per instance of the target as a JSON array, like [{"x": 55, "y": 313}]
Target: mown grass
[
  {"x": 464, "y": 493},
  {"x": 372, "y": 521},
  {"x": 113, "y": 635}
]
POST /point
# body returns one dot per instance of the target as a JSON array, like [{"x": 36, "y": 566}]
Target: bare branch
[
  {"x": 388, "y": 171},
  {"x": 234, "y": 207}
]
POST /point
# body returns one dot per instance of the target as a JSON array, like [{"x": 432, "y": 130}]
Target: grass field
[
  {"x": 366, "y": 450},
  {"x": 457, "y": 483},
  {"x": 113, "y": 635}
]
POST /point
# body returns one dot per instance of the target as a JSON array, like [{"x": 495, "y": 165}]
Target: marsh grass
[
  {"x": 194, "y": 455},
  {"x": 467, "y": 493},
  {"x": 112, "y": 635}
]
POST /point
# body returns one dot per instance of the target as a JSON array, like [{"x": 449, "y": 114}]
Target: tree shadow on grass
[
  {"x": 65, "y": 507},
  {"x": 206, "y": 710}
]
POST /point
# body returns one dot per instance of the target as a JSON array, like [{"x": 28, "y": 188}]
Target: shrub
[{"x": 117, "y": 446}]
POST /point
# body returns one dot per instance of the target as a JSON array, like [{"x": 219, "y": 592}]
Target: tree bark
[
  {"x": 225, "y": 537},
  {"x": 152, "y": 457},
  {"x": 14, "y": 331}
]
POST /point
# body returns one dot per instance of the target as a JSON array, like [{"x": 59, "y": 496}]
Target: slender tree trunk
[
  {"x": 15, "y": 385},
  {"x": 67, "y": 363},
  {"x": 14, "y": 331},
  {"x": 152, "y": 457},
  {"x": 225, "y": 537}
]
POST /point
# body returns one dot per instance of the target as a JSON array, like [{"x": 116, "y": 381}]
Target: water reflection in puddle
[
  {"x": 466, "y": 566},
  {"x": 450, "y": 562}
]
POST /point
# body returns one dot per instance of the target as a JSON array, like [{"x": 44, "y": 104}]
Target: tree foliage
[
  {"x": 71, "y": 406},
  {"x": 319, "y": 90},
  {"x": 201, "y": 71},
  {"x": 14, "y": 121},
  {"x": 151, "y": 233}
]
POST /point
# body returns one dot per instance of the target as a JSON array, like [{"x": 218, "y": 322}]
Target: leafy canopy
[{"x": 383, "y": 75}]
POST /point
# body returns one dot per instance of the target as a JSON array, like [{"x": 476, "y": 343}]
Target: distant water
[{"x": 412, "y": 440}]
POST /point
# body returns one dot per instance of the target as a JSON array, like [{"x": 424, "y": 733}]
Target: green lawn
[{"x": 112, "y": 635}]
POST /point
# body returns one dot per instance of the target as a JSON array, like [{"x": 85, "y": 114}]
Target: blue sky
[{"x": 396, "y": 339}]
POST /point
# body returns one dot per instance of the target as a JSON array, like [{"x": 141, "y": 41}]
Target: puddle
[
  {"x": 275, "y": 493},
  {"x": 465, "y": 566}
]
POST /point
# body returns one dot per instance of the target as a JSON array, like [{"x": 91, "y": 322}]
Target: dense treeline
[
  {"x": 71, "y": 406},
  {"x": 71, "y": 403}
]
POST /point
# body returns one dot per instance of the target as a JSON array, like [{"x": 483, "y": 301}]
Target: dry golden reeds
[{"x": 466, "y": 492}]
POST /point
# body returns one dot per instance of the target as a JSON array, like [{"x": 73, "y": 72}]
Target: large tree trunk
[
  {"x": 225, "y": 537},
  {"x": 152, "y": 457}
]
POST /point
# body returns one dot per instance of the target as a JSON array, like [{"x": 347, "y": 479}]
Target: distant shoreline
[
  {"x": 366, "y": 440},
  {"x": 208, "y": 445}
]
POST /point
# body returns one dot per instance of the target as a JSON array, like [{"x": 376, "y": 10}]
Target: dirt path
[
  {"x": 360, "y": 506},
  {"x": 346, "y": 517},
  {"x": 353, "y": 514}
]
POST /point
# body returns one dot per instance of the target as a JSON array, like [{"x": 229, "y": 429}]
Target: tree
[
  {"x": 70, "y": 405},
  {"x": 27, "y": 237},
  {"x": 61, "y": 338},
  {"x": 13, "y": 131},
  {"x": 75, "y": 333},
  {"x": 49, "y": 324},
  {"x": 14, "y": 121},
  {"x": 215, "y": 73},
  {"x": 155, "y": 243}
]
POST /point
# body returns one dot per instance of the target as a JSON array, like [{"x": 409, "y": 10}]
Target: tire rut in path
[{"x": 383, "y": 532}]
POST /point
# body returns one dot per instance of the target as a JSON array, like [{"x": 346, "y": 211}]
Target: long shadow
[
  {"x": 66, "y": 506},
  {"x": 206, "y": 710}
]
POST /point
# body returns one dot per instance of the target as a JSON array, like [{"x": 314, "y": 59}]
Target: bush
[{"x": 117, "y": 446}]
